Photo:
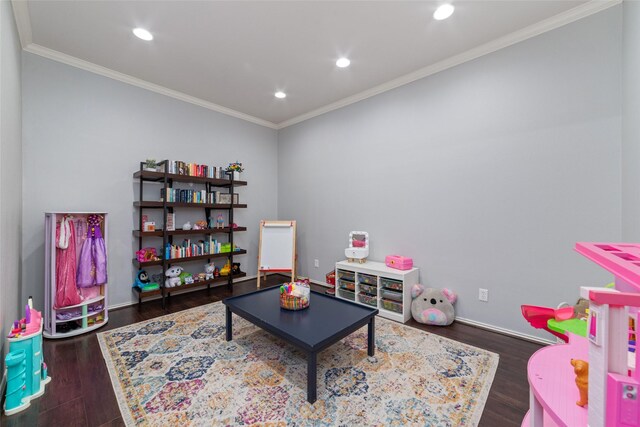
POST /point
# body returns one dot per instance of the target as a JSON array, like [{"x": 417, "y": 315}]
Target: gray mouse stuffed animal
[{"x": 433, "y": 306}]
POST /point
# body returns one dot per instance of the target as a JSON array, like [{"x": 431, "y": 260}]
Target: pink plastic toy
[{"x": 398, "y": 262}]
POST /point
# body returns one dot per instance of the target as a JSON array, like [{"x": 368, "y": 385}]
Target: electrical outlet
[
  {"x": 316, "y": 263},
  {"x": 483, "y": 295}
]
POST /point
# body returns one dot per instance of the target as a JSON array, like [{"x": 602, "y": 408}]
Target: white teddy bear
[
  {"x": 173, "y": 277},
  {"x": 208, "y": 270}
]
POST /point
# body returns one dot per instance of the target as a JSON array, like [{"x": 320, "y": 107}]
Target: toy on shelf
[
  {"x": 295, "y": 295},
  {"x": 226, "y": 269},
  {"x": 186, "y": 226},
  {"x": 235, "y": 268},
  {"x": 220, "y": 221},
  {"x": 433, "y": 306},
  {"x": 143, "y": 282},
  {"x": 185, "y": 278},
  {"x": 147, "y": 254},
  {"x": 358, "y": 249},
  {"x": 200, "y": 225},
  {"x": 208, "y": 270},
  {"x": 581, "y": 368},
  {"x": 173, "y": 277},
  {"x": 398, "y": 262}
]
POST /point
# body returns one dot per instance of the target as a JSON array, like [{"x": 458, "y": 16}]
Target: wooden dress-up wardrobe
[{"x": 70, "y": 311}]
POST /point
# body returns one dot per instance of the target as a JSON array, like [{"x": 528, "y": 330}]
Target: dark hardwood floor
[{"x": 80, "y": 392}]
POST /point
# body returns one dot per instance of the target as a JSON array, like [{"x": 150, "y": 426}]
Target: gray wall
[
  {"x": 84, "y": 136},
  {"x": 10, "y": 172},
  {"x": 631, "y": 122},
  {"x": 486, "y": 174}
]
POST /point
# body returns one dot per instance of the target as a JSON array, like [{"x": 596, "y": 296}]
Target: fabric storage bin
[
  {"x": 347, "y": 285},
  {"x": 347, "y": 275},
  {"x": 392, "y": 306},
  {"x": 373, "y": 290},
  {"x": 391, "y": 284},
  {"x": 347, "y": 294},
  {"x": 395, "y": 296},
  {"x": 368, "y": 299},
  {"x": 367, "y": 279}
]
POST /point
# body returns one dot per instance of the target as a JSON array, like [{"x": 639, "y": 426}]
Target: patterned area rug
[{"x": 179, "y": 370}]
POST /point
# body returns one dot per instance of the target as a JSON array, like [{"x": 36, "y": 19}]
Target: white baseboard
[
  {"x": 129, "y": 304},
  {"x": 505, "y": 331}
]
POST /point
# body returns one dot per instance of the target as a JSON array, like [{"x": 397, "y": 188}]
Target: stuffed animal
[
  {"x": 208, "y": 270},
  {"x": 141, "y": 279},
  {"x": 433, "y": 306},
  {"x": 226, "y": 269},
  {"x": 184, "y": 276},
  {"x": 235, "y": 269},
  {"x": 173, "y": 277},
  {"x": 581, "y": 369}
]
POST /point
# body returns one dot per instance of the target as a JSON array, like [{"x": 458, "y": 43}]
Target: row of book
[
  {"x": 202, "y": 247},
  {"x": 193, "y": 169},
  {"x": 176, "y": 195}
]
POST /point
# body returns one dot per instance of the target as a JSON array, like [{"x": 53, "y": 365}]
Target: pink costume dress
[
  {"x": 92, "y": 267},
  {"x": 66, "y": 291}
]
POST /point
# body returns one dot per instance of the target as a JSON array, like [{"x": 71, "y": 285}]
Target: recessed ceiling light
[
  {"x": 280, "y": 95},
  {"x": 443, "y": 12},
  {"x": 343, "y": 62},
  {"x": 143, "y": 34}
]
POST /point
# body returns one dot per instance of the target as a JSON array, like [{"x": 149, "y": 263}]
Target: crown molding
[
  {"x": 134, "y": 81},
  {"x": 23, "y": 21},
  {"x": 571, "y": 15}
]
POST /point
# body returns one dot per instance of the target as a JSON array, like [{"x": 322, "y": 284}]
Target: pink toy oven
[{"x": 399, "y": 262}]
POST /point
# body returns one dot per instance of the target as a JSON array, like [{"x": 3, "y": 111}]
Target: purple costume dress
[{"x": 92, "y": 266}]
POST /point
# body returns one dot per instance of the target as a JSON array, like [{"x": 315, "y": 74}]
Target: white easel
[{"x": 277, "y": 248}]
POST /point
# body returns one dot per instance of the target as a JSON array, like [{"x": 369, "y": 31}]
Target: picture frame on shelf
[{"x": 224, "y": 199}]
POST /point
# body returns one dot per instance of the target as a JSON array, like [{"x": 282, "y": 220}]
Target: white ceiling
[{"x": 234, "y": 55}]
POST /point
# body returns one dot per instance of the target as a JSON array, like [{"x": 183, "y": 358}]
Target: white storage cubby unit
[
  {"x": 376, "y": 285},
  {"x": 92, "y": 312}
]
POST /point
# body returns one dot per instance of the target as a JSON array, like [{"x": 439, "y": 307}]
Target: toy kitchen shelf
[
  {"x": 375, "y": 285},
  {"x": 614, "y": 380},
  {"x": 167, "y": 181}
]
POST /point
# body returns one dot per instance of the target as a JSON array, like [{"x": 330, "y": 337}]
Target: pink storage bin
[{"x": 399, "y": 262}]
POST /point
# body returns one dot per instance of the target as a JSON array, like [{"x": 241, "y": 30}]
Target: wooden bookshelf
[{"x": 167, "y": 180}]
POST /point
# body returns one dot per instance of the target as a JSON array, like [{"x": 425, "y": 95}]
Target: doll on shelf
[{"x": 220, "y": 221}]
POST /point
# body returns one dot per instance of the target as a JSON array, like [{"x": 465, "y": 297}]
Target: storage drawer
[
  {"x": 373, "y": 290},
  {"x": 347, "y": 275},
  {"x": 368, "y": 299},
  {"x": 343, "y": 284},
  {"x": 392, "y": 295},
  {"x": 392, "y": 305},
  {"x": 367, "y": 279},
  {"x": 347, "y": 294},
  {"x": 390, "y": 283}
]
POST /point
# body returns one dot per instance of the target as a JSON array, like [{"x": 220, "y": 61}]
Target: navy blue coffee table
[{"x": 325, "y": 322}]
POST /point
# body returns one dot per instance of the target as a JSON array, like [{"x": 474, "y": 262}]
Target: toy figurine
[
  {"x": 216, "y": 272},
  {"x": 209, "y": 269},
  {"x": 200, "y": 225},
  {"x": 235, "y": 269},
  {"x": 220, "y": 221},
  {"x": 581, "y": 368},
  {"x": 226, "y": 270},
  {"x": 187, "y": 226}
]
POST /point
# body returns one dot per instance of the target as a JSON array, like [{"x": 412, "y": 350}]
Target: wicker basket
[{"x": 289, "y": 302}]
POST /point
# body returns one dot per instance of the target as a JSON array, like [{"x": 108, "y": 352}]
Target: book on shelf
[
  {"x": 189, "y": 249},
  {"x": 176, "y": 195},
  {"x": 178, "y": 167}
]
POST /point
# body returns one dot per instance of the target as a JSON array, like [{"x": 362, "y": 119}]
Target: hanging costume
[
  {"x": 92, "y": 266},
  {"x": 66, "y": 291}
]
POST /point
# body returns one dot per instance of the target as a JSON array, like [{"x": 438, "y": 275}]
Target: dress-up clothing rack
[{"x": 77, "y": 307}]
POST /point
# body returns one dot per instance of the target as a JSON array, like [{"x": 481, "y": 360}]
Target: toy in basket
[{"x": 294, "y": 296}]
